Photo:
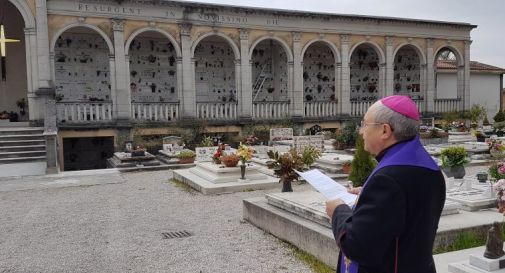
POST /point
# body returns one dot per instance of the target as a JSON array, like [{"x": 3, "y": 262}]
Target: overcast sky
[{"x": 488, "y": 38}]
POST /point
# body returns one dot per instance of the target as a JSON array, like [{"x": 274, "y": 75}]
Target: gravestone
[
  {"x": 304, "y": 141},
  {"x": 126, "y": 160},
  {"x": 277, "y": 134},
  {"x": 476, "y": 197},
  {"x": 172, "y": 144},
  {"x": 204, "y": 154}
]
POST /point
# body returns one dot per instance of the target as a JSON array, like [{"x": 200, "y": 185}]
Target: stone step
[
  {"x": 5, "y": 155},
  {"x": 22, "y": 148},
  {"x": 22, "y": 137},
  {"x": 21, "y": 131},
  {"x": 22, "y": 159},
  {"x": 23, "y": 142}
]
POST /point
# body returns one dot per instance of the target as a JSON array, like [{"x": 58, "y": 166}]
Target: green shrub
[
  {"x": 186, "y": 154},
  {"x": 310, "y": 155},
  {"x": 207, "y": 142},
  {"x": 362, "y": 165},
  {"x": 454, "y": 156},
  {"x": 499, "y": 117},
  {"x": 485, "y": 122}
]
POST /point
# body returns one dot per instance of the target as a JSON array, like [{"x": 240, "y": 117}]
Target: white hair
[{"x": 403, "y": 127}]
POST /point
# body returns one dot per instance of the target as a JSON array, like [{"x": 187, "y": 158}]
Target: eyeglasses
[{"x": 364, "y": 124}]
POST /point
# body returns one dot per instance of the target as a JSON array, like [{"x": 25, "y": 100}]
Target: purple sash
[{"x": 406, "y": 153}]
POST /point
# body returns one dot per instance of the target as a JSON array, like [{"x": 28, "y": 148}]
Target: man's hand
[
  {"x": 331, "y": 205},
  {"x": 354, "y": 190}
]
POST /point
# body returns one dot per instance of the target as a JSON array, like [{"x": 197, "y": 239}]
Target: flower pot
[
  {"x": 482, "y": 177},
  {"x": 346, "y": 168},
  {"x": 457, "y": 172},
  {"x": 187, "y": 160},
  {"x": 230, "y": 162},
  {"x": 481, "y": 139}
]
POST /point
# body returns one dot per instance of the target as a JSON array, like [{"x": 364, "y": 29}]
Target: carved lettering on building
[
  {"x": 221, "y": 18},
  {"x": 109, "y": 9}
]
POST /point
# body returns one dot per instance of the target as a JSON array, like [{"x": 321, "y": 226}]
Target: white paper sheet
[{"x": 327, "y": 186}]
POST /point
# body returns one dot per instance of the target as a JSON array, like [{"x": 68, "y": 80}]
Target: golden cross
[
  {"x": 347, "y": 263},
  {"x": 3, "y": 40}
]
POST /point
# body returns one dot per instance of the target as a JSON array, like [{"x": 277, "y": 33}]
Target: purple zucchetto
[{"x": 403, "y": 105}]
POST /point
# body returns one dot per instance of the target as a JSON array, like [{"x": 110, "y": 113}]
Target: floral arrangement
[
  {"x": 497, "y": 171},
  {"x": 495, "y": 144},
  {"x": 499, "y": 188},
  {"x": 251, "y": 140},
  {"x": 245, "y": 153},
  {"x": 230, "y": 160},
  {"x": 216, "y": 157}
]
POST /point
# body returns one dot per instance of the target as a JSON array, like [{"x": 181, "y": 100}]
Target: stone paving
[{"x": 113, "y": 222}]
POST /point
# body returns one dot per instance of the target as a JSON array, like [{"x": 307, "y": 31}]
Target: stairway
[{"x": 22, "y": 145}]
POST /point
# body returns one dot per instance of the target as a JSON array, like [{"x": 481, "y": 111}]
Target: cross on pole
[{"x": 3, "y": 40}]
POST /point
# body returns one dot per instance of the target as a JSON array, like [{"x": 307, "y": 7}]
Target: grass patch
[
  {"x": 181, "y": 185},
  {"x": 248, "y": 190},
  {"x": 467, "y": 239},
  {"x": 316, "y": 265}
]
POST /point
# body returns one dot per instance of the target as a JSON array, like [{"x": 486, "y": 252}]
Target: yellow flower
[{"x": 245, "y": 153}]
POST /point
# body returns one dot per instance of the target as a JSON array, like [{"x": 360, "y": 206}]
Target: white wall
[
  {"x": 446, "y": 86},
  {"x": 485, "y": 90}
]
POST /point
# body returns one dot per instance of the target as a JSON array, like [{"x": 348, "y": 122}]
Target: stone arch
[
  {"x": 331, "y": 45},
  {"x": 373, "y": 45},
  {"x": 161, "y": 31},
  {"x": 231, "y": 43},
  {"x": 25, "y": 13},
  {"x": 283, "y": 43},
  {"x": 459, "y": 57},
  {"x": 416, "y": 47},
  {"x": 73, "y": 25}
]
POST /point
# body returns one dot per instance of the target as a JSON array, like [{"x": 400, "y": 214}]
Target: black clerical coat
[{"x": 393, "y": 226}]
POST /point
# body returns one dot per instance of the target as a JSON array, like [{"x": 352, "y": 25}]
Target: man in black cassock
[{"x": 392, "y": 226}]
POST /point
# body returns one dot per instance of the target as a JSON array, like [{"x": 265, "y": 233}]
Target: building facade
[{"x": 94, "y": 67}]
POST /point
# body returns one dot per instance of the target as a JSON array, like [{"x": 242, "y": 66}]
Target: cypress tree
[{"x": 362, "y": 165}]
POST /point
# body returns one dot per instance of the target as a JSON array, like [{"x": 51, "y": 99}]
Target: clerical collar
[{"x": 383, "y": 152}]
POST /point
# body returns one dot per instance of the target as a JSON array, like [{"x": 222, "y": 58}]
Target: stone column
[
  {"x": 390, "y": 64},
  {"x": 122, "y": 106},
  {"x": 42, "y": 43},
  {"x": 50, "y": 129},
  {"x": 422, "y": 83},
  {"x": 188, "y": 103},
  {"x": 297, "y": 95},
  {"x": 246, "y": 93},
  {"x": 345, "y": 95},
  {"x": 431, "y": 95},
  {"x": 382, "y": 80},
  {"x": 179, "y": 81},
  {"x": 338, "y": 86},
  {"x": 113, "y": 86},
  {"x": 36, "y": 105},
  {"x": 466, "y": 71}
]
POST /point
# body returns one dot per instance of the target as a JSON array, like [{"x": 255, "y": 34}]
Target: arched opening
[
  {"x": 153, "y": 68},
  {"x": 407, "y": 73},
  {"x": 446, "y": 74},
  {"x": 81, "y": 66},
  {"x": 364, "y": 73},
  {"x": 319, "y": 73},
  {"x": 215, "y": 71},
  {"x": 13, "y": 76},
  {"x": 269, "y": 72}
]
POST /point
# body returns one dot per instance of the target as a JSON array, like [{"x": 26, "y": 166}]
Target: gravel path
[{"x": 91, "y": 226}]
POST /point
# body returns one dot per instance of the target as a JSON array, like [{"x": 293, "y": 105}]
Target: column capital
[
  {"x": 185, "y": 29},
  {"x": 117, "y": 24},
  {"x": 344, "y": 38},
  {"x": 468, "y": 43},
  {"x": 244, "y": 34},
  {"x": 296, "y": 36},
  {"x": 237, "y": 61},
  {"x": 429, "y": 42},
  {"x": 112, "y": 57},
  {"x": 389, "y": 40}
]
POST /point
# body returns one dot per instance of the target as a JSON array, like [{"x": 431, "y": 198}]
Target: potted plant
[
  {"x": 216, "y": 157},
  {"x": 453, "y": 161},
  {"x": 21, "y": 103},
  {"x": 245, "y": 153},
  {"x": 207, "y": 142},
  {"x": 284, "y": 166},
  {"x": 186, "y": 156},
  {"x": 309, "y": 156},
  {"x": 346, "y": 167},
  {"x": 230, "y": 160},
  {"x": 496, "y": 148}
]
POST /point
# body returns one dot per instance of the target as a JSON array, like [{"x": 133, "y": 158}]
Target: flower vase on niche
[{"x": 242, "y": 171}]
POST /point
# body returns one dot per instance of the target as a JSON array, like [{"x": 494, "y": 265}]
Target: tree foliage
[{"x": 362, "y": 165}]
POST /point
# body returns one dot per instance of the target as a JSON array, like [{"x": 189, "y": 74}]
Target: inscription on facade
[
  {"x": 221, "y": 18},
  {"x": 109, "y": 9}
]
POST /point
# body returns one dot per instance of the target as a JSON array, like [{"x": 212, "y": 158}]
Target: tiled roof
[{"x": 475, "y": 66}]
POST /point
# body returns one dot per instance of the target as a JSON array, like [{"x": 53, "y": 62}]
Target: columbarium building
[{"x": 98, "y": 68}]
